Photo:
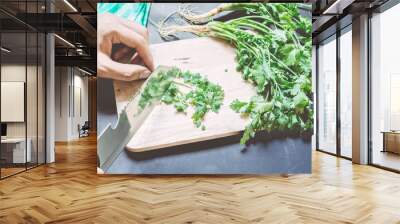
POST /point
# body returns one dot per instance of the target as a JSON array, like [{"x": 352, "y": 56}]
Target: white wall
[
  {"x": 16, "y": 73},
  {"x": 70, "y": 83},
  {"x": 80, "y": 84},
  {"x": 61, "y": 104}
]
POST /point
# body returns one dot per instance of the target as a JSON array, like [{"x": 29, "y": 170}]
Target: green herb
[
  {"x": 273, "y": 52},
  {"x": 183, "y": 89}
]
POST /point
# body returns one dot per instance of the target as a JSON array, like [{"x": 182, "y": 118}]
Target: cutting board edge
[{"x": 183, "y": 142}]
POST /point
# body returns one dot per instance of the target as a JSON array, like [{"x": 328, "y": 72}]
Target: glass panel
[
  {"x": 327, "y": 96},
  {"x": 41, "y": 99},
  {"x": 385, "y": 84},
  {"x": 346, "y": 94},
  {"x": 13, "y": 79},
  {"x": 23, "y": 82},
  {"x": 31, "y": 98},
  {"x": 32, "y": 88}
]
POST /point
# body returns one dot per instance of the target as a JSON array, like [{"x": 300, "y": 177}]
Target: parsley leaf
[{"x": 166, "y": 86}]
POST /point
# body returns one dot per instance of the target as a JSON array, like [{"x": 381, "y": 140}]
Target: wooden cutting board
[{"x": 164, "y": 127}]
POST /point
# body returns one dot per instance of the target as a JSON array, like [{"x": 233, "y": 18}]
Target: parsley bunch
[
  {"x": 273, "y": 52},
  {"x": 183, "y": 89}
]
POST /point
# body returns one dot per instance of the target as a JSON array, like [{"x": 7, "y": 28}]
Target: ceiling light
[
  {"x": 80, "y": 51},
  {"x": 337, "y": 7},
  {"x": 84, "y": 71},
  {"x": 331, "y": 7},
  {"x": 5, "y": 50},
  {"x": 64, "y": 40},
  {"x": 70, "y": 5}
]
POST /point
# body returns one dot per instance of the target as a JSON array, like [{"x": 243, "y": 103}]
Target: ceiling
[
  {"x": 74, "y": 22},
  {"x": 328, "y": 13}
]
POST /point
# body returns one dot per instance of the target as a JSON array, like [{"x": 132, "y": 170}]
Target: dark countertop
[{"x": 268, "y": 154}]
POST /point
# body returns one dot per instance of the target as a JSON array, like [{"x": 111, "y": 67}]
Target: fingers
[
  {"x": 141, "y": 30},
  {"x": 114, "y": 30},
  {"x": 112, "y": 21},
  {"x": 135, "y": 40},
  {"x": 108, "y": 68},
  {"x": 135, "y": 27}
]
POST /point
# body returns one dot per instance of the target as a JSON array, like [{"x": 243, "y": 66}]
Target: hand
[{"x": 114, "y": 30}]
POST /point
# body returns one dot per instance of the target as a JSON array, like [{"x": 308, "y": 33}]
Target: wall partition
[
  {"x": 15, "y": 150},
  {"x": 22, "y": 78}
]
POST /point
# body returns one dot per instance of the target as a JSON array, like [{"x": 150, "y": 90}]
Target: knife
[{"x": 112, "y": 141}]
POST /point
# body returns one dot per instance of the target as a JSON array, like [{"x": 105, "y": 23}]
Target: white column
[
  {"x": 50, "y": 92},
  {"x": 360, "y": 90},
  {"x": 50, "y": 100}
]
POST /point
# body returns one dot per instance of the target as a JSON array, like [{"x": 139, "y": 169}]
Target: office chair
[{"x": 84, "y": 130}]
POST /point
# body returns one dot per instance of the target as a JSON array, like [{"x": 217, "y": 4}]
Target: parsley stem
[{"x": 273, "y": 53}]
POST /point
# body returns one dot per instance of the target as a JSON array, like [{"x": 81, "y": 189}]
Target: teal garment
[{"x": 138, "y": 12}]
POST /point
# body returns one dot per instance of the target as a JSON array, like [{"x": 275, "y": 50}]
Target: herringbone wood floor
[{"x": 69, "y": 191}]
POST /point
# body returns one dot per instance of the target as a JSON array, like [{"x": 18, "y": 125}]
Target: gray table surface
[{"x": 267, "y": 153}]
